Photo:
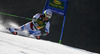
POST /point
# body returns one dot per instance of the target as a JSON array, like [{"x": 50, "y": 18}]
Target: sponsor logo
[{"x": 57, "y": 2}]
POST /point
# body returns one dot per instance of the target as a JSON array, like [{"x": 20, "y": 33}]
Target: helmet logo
[{"x": 49, "y": 13}]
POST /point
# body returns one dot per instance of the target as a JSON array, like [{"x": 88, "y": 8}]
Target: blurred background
[{"x": 81, "y": 27}]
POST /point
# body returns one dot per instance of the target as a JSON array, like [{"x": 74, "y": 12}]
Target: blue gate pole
[
  {"x": 62, "y": 29},
  {"x": 63, "y": 21}
]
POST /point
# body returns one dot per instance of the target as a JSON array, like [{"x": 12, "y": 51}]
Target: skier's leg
[
  {"x": 13, "y": 30},
  {"x": 16, "y": 31},
  {"x": 37, "y": 34}
]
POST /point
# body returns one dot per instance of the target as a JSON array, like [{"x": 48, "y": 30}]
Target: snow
[{"x": 14, "y": 44}]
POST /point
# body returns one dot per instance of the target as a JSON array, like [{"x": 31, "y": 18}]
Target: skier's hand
[
  {"x": 34, "y": 19},
  {"x": 45, "y": 33}
]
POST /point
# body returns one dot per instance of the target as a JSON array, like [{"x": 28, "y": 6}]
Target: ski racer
[{"x": 38, "y": 22}]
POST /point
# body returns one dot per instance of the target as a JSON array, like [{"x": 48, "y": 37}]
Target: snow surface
[{"x": 13, "y": 44}]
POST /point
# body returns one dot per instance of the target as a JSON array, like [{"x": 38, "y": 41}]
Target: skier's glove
[
  {"x": 45, "y": 33},
  {"x": 34, "y": 19}
]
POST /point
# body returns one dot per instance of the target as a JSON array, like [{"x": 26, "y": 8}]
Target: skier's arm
[{"x": 46, "y": 29}]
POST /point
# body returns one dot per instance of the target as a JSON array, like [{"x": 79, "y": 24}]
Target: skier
[{"x": 38, "y": 22}]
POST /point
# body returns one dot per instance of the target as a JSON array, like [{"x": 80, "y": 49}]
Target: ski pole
[{"x": 15, "y": 16}]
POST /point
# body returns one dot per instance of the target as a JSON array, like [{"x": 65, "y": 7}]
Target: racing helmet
[{"x": 48, "y": 13}]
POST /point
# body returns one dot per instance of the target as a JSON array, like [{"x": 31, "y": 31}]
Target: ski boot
[{"x": 37, "y": 37}]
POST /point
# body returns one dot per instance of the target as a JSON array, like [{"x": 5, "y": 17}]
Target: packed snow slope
[{"x": 14, "y": 44}]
